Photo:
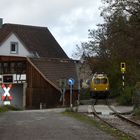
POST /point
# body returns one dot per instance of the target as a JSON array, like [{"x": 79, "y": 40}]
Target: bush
[
  {"x": 69, "y": 110},
  {"x": 84, "y": 95},
  {"x": 136, "y": 96},
  {"x": 3, "y": 109},
  {"x": 7, "y": 108},
  {"x": 115, "y": 84},
  {"x": 136, "y": 112},
  {"x": 125, "y": 97}
]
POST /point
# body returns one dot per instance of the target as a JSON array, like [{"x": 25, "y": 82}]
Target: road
[{"x": 46, "y": 125}]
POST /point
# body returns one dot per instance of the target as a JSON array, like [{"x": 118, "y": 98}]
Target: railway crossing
[{"x": 6, "y": 97}]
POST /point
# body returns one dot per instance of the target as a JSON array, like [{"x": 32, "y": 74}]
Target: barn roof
[
  {"x": 35, "y": 39},
  {"x": 56, "y": 69}
]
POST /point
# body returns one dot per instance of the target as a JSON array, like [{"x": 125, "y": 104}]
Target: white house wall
[
  {"x": 17, "y": 94},
  {"x": 5, "y": 47}
]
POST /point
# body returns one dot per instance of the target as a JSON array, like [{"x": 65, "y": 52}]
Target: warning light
[{"x": 123, "y": 67}]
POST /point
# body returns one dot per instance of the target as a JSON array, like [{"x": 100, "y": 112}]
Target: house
[{"x": 33, "y": 62}]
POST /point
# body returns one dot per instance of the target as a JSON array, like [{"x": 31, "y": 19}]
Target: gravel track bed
[
  {"x": 124, "y": 126},
  {"x": 137, "y": 120}
]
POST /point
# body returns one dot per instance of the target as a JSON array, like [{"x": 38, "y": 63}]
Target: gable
[
  {"x": 6, "y": 46},
  {"x": 37, "y": 40}
]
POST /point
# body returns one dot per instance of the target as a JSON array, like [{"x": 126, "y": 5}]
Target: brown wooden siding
[
  {"x": 74, "y": 97},
  {"x": 11, "y": 58},
  {"x": 39, "y": 90}
]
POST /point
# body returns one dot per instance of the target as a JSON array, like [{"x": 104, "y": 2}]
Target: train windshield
[
  {"x": 97, "y": 81},
  {"x": 103, "y": 81},
  {"x": 100, "y": 81}
]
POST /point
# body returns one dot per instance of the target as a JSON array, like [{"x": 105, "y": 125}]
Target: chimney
[{"x": 1, "y": 22}]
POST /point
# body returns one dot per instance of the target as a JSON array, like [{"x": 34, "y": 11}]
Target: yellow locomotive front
[{"x": 99, "y": 86}]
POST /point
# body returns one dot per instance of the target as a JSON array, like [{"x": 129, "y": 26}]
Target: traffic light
[{"x": 123, "y": 67}]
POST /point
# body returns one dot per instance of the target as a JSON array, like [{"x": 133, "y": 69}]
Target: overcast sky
[{"x": 68, "y": 20}]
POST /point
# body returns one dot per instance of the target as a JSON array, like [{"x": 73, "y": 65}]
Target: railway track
[
  {"x": 119, "y": 121},
  {"x": 118, "y": 114}
]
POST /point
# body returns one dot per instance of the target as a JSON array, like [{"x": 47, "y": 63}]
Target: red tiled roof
[
  {"x": 56, "y": 69},
  {"x": 35, "y": 39}
]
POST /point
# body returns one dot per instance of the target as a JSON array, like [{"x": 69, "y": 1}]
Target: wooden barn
[{"x": 34, "y": 63}]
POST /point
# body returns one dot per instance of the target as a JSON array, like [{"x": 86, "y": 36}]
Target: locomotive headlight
[
  {"x": 94, "y": 88},
  {"x": 106, "y": 88}
]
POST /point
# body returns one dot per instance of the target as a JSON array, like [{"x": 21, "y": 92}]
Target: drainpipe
[{"x": 24, "y": 95}]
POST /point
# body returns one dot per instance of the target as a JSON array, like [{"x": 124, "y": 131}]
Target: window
[
  {"x": 5, "y": 67},
  {"x": 14, "y": 48},
  {"x": 0, "y": 68},
  {"x": 12, "y": 67},
  {"x": 100, "y": 81},
  {"x": 97, "y": 81},
  {"x": 104, "y": 81},
  {"x": 20, "y": 67}
]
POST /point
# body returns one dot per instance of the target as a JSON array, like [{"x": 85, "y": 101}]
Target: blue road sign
[{"x": 71, "y": 81}]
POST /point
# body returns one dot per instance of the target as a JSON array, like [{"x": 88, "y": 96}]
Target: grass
[
  {"x": 98, "y": 124},
  {"x": 8, "y": 108}
]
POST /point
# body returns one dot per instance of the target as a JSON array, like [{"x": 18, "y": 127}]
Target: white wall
[
  {"x": 17, "y": 94},
  {"x": 1, "y": 93},
  {"x": 5, "y": 47}
]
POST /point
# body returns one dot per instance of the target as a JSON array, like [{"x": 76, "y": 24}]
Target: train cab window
[
  {"x": 97, "y": 81},
  {"x": 103, "y": 81}
]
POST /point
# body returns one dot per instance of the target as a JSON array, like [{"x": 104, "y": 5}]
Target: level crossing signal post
[
  {"x": 62, "y": 85},
  {"x": 6, "y": 97},
  {"x": 123, "y": 70},
  {"x": 79, "y": 89}
]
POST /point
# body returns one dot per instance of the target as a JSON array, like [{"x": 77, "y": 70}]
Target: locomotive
[{"x": 99, "y": 86}]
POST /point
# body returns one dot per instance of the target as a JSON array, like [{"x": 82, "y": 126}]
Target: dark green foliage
[
  {"x": 8, "y": 108},
  {"x": 84, "y": 95},
  {"x": 136, "y": 113},
  {"x": 136, "y": 96},
  {"x": 116, "y": 40},
  {"x": 3, "y": 109},
  {"x": 126, "y": 96},
  {"x": 136, "y": 101}
]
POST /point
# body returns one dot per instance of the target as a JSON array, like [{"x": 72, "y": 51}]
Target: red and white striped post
[{"x": 6, "y": 94}]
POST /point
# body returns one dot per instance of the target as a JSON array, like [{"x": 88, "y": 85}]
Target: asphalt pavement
[{"x": 46, "y": 125}]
